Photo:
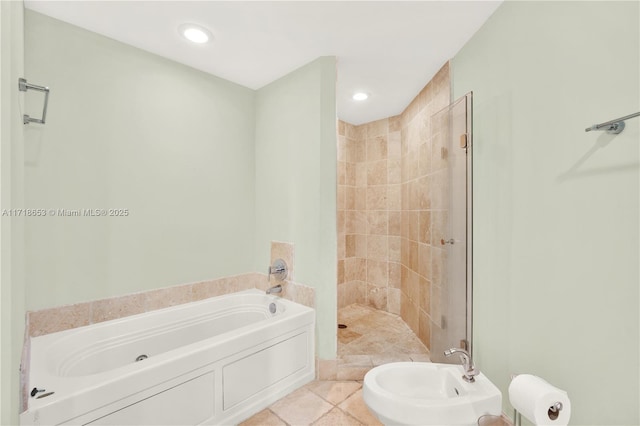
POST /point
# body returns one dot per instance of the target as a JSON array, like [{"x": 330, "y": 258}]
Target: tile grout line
[
  {"x": 346, "y": 413},
  {"x": 275, "y": 414},
  {"x": 336, "y": 381}
]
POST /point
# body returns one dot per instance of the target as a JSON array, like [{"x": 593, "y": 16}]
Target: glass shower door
[{"x": 451, "y": 287}]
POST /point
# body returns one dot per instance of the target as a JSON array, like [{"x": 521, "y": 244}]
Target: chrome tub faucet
[
  {"x": 279, "y": 270},
  {"x": 467, "y": 363}
]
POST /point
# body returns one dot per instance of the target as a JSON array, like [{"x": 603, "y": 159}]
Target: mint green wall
[
  {"x": 12, "y": 293},
  {"x": 211, "y": 172},
  {"x": 128, "y": 129},
  {"x": 296, "y": 182},
  {"x": 556, "y": 209}
]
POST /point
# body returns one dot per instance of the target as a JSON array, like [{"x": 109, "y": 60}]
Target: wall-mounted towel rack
[
  {"x": 612, "y": 126},
  {"x": 24, "y": 86}
]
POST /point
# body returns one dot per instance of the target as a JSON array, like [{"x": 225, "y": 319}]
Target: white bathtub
[{"x": 216, "y": 361}]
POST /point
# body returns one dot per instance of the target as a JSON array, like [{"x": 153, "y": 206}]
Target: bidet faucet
[{"x": 467, "y": 363}]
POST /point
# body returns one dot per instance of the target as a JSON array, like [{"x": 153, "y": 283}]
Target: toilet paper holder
[
  {"x": 554, "y": 410},
  {"x": 553, "y": 413}
]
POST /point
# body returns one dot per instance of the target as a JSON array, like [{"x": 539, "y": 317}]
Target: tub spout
[{"x": 274, "y": 289}]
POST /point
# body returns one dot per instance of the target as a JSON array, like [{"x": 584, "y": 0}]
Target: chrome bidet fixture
[{"x": 467, "y": 363}]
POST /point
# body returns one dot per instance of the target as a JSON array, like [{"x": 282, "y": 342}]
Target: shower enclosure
[
  {"x": 451, "y": 313},
  {"x": 404, "y": 230}
]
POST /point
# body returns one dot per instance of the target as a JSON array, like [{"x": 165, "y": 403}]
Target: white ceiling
[{"x": 389, "y": 49}]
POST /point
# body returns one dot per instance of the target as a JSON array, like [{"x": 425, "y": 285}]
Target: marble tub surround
[
  {"x": 291, "y": 290},
  {"x": 299, "y": 293},
  {"x": 286, "y": 252},
  {"x": 61, "y": 318},
  {"x": 65, "y": 317}
]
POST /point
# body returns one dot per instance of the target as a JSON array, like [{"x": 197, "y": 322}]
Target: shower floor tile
[
  {"x": 376, "y": 333},
  {"x": 373, "y": 338}
]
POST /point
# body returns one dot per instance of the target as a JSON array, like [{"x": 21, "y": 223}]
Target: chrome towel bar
[
  {"x": 612, "y": 126},
  {"x": 23, "y": 85}
]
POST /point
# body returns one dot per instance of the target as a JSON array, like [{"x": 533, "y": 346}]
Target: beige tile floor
[
  {"x": 371, "y": 338},
  {"x": 330, "y": 403}
]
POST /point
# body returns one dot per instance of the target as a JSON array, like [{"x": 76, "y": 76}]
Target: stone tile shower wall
[
  {"x": 423, "y": 212},
  {"x": 391, "y": 213},
  {"x": 369, "y": 214}
]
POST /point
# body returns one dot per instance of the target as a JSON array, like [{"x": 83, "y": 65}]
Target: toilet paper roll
[{"x": 533, "y": 397}]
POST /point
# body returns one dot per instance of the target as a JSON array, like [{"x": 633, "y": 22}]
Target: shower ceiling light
[
  {"x": 360, "y": 96},
  {"x": 195, "y": 33}
]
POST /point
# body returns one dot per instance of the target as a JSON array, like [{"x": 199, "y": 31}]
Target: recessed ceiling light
[
  {"x": 360, "y": 96},
  {"x": 195, "y": 33}
]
